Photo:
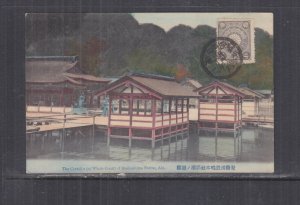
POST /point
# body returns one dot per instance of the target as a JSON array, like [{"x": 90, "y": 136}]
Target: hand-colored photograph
[{"x": 149, "y": 93}]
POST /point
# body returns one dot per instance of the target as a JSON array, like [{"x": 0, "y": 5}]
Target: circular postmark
[{"x": 221, "y": 58}]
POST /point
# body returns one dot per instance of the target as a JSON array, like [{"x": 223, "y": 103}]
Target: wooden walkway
[
  {"x": 56, "y": 121},
  {"x": 61, "y": 121},
  {"x": 258, "y": 119}
]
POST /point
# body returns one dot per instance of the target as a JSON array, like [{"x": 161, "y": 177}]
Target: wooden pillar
[
  {"x": 217, "y": 108},
  {"x": 238, "y": 110},
  {"x": 130, "y": 120},
  {"x": 162, "y": 121},
  {"x": 188, "y": 115},
  {"x": 120, "y": 106},
  {"x": 153, "y": 106},
  {"x": 109, "y": 117},
  {"x": 235, "y": 113},
  {"x": 61, "y": 97},
  {"x": 182, "y": 102},
  {"x": 187, "y": 108},
  {"x": 130, "y": 116},
  {"x": 138, "y": 106},
  {"x": 145, "y": 107},
  {"x": 176, "y": 110},
  {"x": 93, "y": 135},
  {"x": 241, "y": 109},
  {"x": 182, "y": 126},
  {"x": 170, "y": 116},
  {"x": 198, "y": 114}
]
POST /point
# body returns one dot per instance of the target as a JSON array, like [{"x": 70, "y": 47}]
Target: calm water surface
[{"x": 250, "y": 145}]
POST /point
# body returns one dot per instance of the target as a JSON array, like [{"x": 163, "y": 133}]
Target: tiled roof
[
  {"x": 223, "y": 85},
  {"x": 251, "y": 93},
  {"x": 86, "y": 77},
  {"x": 44, "y": 70},
  {"x": 56, "y": 69},
  {"x": 163, "y": 86}
]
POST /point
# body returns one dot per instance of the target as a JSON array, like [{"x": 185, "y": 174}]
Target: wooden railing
[
  {"x": 141, "y": 121},
  {"x": 225, "y": 112}
]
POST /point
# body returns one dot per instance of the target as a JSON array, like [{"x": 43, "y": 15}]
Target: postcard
[{"x": 120, "y": 93}]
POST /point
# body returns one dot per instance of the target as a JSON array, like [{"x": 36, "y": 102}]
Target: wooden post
[
  {"x": 137, "y": 106},
  {"x": 198, "y": 115},
  {"x": 234, "y": 113},
  {"x": 176, "y": 111},
  {"x": 182, "y": 122},
  {"x": 257, "y": 107},
  {"x": 162, "y": 120},
  {"x": 61, "y": 97},
  {"x": 63, "y": 137},
  {"x": 108, "y": 127},
  {"x": 216, "y": 145},
  {"x": 51, "y": 103},
  {"x": 120, "y": 106},
  {"x": 188, "y": 115},
  {"x": 217, "y": 109},
  {"x": 130, "y": 118},
  {"x": 153, "y": 122},
  {"x": 238, "y": 114},
  {"x": 182, "y": 102},
  {"x": 241, "y": 110},
  {"x": 234, "y": 139},
  {"x": 130, "y": 121},
  {"x": 93, "y": 135},
  {"x": 43, "y": 140},
  {"x": 145, "y": 107},
  {"x": 170, "y": 116}
]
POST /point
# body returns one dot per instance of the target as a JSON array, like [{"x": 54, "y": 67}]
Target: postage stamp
[
  {"x": 149, "y": 93},
  {"x": 242, "y": 32}
]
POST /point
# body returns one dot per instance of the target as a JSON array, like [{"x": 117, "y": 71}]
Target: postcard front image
[{"x": 149, "y": 93}]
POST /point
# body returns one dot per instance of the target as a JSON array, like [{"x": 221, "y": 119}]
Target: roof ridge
[
  {"x": 152, "y": 76},
  {"x": 52, "y": 58}
]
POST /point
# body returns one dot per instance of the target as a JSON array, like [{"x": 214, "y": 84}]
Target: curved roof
[
  {"x": 163, "y": 87},
  {"x": 44, "y": 71},
  {"x": 57, "y": 69},
  {"x": 229, "y": 89},
  {"x": 251, "y": 93}
]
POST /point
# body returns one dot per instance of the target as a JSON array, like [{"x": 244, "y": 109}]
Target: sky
[{"x": 169, "y": 20}]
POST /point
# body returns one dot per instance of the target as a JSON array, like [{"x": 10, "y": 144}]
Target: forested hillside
[{"x": 113, "y": 44}]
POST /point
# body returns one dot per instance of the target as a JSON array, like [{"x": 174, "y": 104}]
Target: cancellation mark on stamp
[{"x": 221, "y": 58}]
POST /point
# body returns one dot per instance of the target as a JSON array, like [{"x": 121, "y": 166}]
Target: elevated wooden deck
[{"x": 61, "y": 121}]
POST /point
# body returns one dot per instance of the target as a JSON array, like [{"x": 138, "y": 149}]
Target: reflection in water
[
  {"x": 169, "y": 151},
  {"x": 249, "y": 145},
  {"x": 221, "y": 146}
]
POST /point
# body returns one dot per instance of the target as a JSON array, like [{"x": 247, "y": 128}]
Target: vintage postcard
[{"x": 149, "y": 93}]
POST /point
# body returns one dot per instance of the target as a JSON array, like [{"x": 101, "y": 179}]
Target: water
[{"x": 250, "y": 145}]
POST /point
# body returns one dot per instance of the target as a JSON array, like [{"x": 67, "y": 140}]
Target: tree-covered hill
[{"x": 112, "y": 44}]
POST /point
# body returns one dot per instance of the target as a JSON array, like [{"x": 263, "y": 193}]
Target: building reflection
[{"x": 170, "y": 150}]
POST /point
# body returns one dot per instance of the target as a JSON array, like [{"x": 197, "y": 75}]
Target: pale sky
[{"x": 169, "y": 20}]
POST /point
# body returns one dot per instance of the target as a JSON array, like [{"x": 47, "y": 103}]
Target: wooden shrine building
[
  {"x": 250, "y": 102},
  {"x": 58, "y": 81},
  {"x": 147, "y": 107},
  {"x": 219, "y": 107}
]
